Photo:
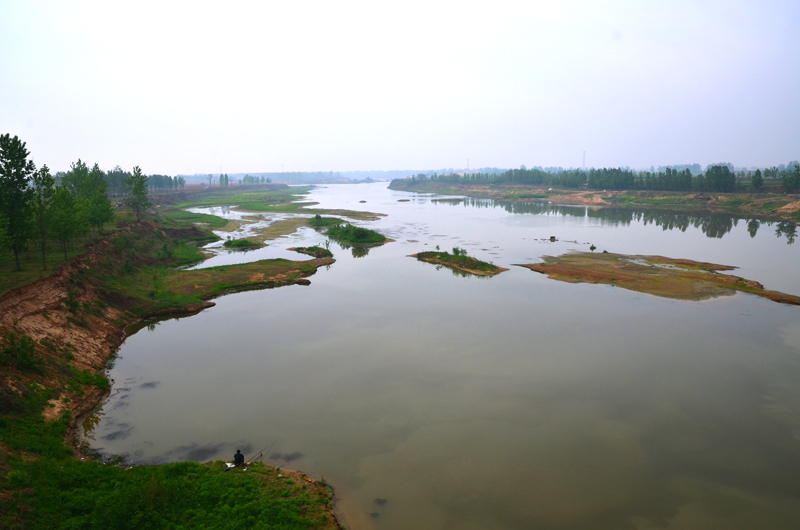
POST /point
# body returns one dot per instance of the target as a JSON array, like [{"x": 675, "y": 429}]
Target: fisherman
[{"x": 238, "y": 458}]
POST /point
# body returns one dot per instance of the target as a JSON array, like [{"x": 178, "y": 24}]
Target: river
[{"x": 437, "y": 401}]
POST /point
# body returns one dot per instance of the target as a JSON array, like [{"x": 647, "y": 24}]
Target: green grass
[
  {"x": 316, "y": 251},
  {"x": 241, "y": 244},
  {"x": 281, "y": 200},
  {"x": 49, "y": 489},
  {"x": 183, "y": 217},
  {"x": 320, "y": 222},
  {"x": 354, "y": 235},
  {"x": 526, "y": 195},
  {"x": 31, "y": 261},
  {"x": 458, "y": 259}
]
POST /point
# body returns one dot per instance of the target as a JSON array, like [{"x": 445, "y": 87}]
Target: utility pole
[{"x": 584, "y": 160}]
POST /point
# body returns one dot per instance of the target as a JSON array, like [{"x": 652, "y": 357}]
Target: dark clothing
[{"x": 238, "y": 459}]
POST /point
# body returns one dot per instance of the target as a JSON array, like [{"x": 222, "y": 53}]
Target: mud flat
[{"x": 681, "y": 279}]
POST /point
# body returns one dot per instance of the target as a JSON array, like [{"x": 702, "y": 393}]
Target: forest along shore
[{"x": 773, "y": 205}]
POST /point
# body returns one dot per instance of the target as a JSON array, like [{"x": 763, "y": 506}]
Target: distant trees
[
  {"x": 790, "y": 180},
  {"x": 718, "y": 177}
]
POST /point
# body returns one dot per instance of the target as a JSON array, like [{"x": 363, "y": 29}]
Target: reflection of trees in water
[
  {"x": 358, "y": 251},
  {"x": 711, "y": 224},
  {"x": 460, "y": 273},
  {"x": 752, "y": 226},
  {"x": 787, "y": 229}
]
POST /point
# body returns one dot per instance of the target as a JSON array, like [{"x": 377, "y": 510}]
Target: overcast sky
[{"x": 251, "y": 86}]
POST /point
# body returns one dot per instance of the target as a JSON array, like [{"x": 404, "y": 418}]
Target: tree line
[
  {"x": 40, "y": 208},
  {"x": 716, "y": 178}
]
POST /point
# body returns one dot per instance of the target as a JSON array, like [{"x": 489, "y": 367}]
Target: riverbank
[
  {"x": 59, "y": 333},
  {"x": 760, "y": 205}
]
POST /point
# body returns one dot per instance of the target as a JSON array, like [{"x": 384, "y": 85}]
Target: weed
[{"x": 20, "y": 352}]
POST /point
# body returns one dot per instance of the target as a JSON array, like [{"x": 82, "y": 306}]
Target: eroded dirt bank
[{"x": 77, "y": 322}]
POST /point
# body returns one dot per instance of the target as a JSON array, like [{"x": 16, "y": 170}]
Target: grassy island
[
  {"x": 355, "y": 235},
  {"x": 316, "y": 251},
  {"x": 241, "y": 244},
  {"x": 323, "y": 222},
  {"x": 670, "y": 278},
  {"x": 460, "y": 261}
]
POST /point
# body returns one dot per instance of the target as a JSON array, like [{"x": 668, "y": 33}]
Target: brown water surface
[{"x": 511, "y": 402}]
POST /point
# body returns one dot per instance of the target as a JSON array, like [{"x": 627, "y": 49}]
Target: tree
[
  {"x": 137, "y": 188},
  {"x": 757, "y": 180},
  {"x": 791, "y": 179},
  {"x": 720, "y": 178},
  {"x": 64, "y": 221},
  {"x": 43, "y": 191},
  {"x": 97, "y": 205},
  {"x": 15, "y": 194},
  {"x": 79, "y": 181}
]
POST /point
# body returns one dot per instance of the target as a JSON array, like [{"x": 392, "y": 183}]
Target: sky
[{"x": 194, "y": 87}]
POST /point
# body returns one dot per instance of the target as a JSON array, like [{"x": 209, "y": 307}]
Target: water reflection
[
  {"x": 714, "y": 225},
  {"x": 787, "y": 229},
  {"x": 358, "y": 251}
]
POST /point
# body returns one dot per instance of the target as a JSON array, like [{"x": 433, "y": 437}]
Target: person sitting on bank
[{"x": 238, "y": 458}]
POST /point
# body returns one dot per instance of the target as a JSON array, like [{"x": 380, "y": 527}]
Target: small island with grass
[
  {"x": 315, "y": 251},
  {"x": 242, "y": 244},
  {"x": 460, "y": 261},
  {"x": 682, "y": 279}
]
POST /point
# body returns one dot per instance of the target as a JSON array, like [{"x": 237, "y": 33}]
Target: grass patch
[
  {"x": 459, "y": 260},
  {"x": 355, "y": 235},
  {"x": 278, "y": 200},
  {"x": 316, "y": 251},
  {"x": 182, "y": 217},
  {"x": 48, "y": 489},
  {"x": 321, "y": 222},
  {"x": 526, "y": 195},
  {"x": 241, "y": 244}
]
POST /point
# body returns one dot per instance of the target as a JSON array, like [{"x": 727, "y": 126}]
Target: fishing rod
[{"x": 260, "y": 453}]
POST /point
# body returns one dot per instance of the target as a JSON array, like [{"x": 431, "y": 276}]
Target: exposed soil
[{"x": 670, "y": 278}]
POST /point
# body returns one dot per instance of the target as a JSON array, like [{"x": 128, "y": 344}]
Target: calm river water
[{"x": 511, "y": 402}]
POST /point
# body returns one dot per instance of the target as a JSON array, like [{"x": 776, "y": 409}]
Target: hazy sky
[{"x": 247, "y": 86}]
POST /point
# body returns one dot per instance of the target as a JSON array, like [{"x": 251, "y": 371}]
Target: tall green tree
[
  {"x": 43, "y": 185},
  {"x": 15, "y": 193},
  {"x": 758, "y": 180},
  {"x": 137, "y": 189},
  {"x": 64, "y": 217},
  {"x": 98, "y": 205},
  {"x": 78, "y": 180},
  {"x": 791, "y": 179}
]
